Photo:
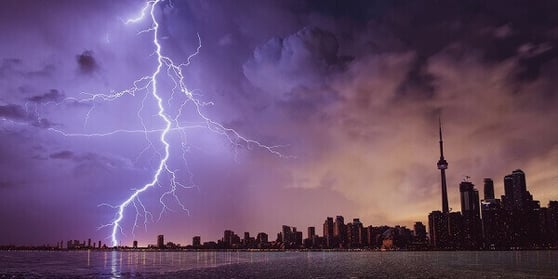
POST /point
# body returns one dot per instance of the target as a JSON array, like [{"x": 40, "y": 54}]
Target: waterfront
[{"x": 289, "y": 264}]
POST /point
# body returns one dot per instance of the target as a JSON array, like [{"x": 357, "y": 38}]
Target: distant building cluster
[
  {"x": 515, "y": 221},
  {"x": 76, "y": 244},
  {"x": 68, "y": 245},
  {"x": 336, "y": 235}
]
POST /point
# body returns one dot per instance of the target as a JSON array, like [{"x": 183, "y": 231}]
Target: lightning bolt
[{"x": 171, "y": 123}]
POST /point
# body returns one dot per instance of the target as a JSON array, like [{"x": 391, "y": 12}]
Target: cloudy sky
[{"x": 349, "y": 92}]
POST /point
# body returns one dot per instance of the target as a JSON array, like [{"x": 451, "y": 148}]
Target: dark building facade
[
  {"x": 354, "y": 234},
  {"x": 161, "y": 241},
  {"x": 339, "y": 232},
  {"x": 470, "y": 209},
  {"x": 552, "y": 221},
  {"x": 420, "y": 232},
  {"x": 488, "y": 189},
  {"x": 196, "y": 241},
  {"x": 521, "y": 215},
  {"x": 328, "y": 232},
  {"x": 438, "y": 229}
]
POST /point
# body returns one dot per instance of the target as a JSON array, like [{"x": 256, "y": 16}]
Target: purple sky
[{"x": 352, "y": 90}]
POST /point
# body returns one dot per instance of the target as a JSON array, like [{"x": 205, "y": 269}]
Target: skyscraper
[
  {"x": 442, "y": 166},
  {"x": 287, "y": 234},
  {"x": 493, "y": 218},
  {"x": 160, "y": 241},
  {"x": 247, "y": 239},
  {"x": 488, "y": 189},
  {"x": 552, "y": 221},
  {"x": 262, "y": 238},
  {"x": 521, "y": 211},
  {"x": 469, "y": 198},
  {"x": 472, "y": 230},
  {"x": 339, "y": 231},
  {"x": 354, "y": 233},
  {"x": 516, "y": 195},
  {"x": 311, "y": 232},
  {"x": 228, "y": 238},
  {"x": 196, "y": 241},
  {"x": 312, "y": 239},
  {"x": 328, "y": 232},
  {"x": 420, "y": 231},
  {"x": 438, "y": 229}
]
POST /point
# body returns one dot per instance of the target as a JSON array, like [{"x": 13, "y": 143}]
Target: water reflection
[
  {"x": 115, "y": 264},
  {"x": 166, "y": 264},
  {"x": 123, "y": 264},
  {"x": 88, "y": 258}
]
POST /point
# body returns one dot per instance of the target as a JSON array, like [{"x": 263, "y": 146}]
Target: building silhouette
[
  {"x": 328, "y": 232},
  {"x": 552, "y": 221},
  {"x": 262, "y": 237},
  {"x": 355, "y": 234},
  {"x": 493, "y": 222},
  {"x": 439, "y": 221},
  {"x": 339, "y": 232},
  {"x": 488, "y": 189},
  {"x": 196, "y": 241},
  {"x": 515, "y": 221},
  {"x": 438, "y": 229},
  {"x": 420, "y": 232},
  {"x": 521, "y": 212},
  {"x": 470, "y": 209},
  {"x": 442, "y": 166},
  {"x": 229, "y": 240},
  {"x": 161, "y": 241},
  {"x": 312, "y": 240}
]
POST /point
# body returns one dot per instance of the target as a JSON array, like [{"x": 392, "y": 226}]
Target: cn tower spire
[
  {"x": 441, "y": 140},
  {"x": 442, "y": 166}
]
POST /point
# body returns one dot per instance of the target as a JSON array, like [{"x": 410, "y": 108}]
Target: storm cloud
[
  {"x": 86, "y": 62},
  {"x": 51, "y": 96}
]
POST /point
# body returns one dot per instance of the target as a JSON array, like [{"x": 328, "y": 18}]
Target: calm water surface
[{"x": 151, "y": 264}]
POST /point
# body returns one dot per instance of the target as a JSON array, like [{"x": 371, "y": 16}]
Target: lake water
[{"x": 326, "y": 264}]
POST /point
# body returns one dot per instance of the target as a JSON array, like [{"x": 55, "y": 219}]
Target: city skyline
[
  {"x": 420, "y": 236},
  {"x": 349, "y": 93}
]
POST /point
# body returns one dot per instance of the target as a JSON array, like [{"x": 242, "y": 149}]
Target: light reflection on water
[
  {"x": 121, "y": 263},
  {"x": 323, "y": 264}
]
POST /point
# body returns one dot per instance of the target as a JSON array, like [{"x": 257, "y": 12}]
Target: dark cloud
[
  {"x": 64, "y": 155},
  {"x": 16, "y": 66},
  {"x": 86, "y": 62},
  {"x": 8, "y": 66},
  {"x": 51, "y": 96},
  {"x": 13, "y": 112},
  {"x": 301, "y": 60},
  {"x": 88, "y": 159},
  {"x": 16, "y": 113}
]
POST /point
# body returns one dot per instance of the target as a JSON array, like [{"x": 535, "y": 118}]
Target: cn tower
[{"x": 442, "y": 166}]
